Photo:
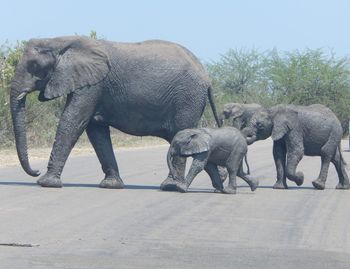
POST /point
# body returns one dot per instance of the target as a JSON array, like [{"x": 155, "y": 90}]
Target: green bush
[
  {"x": 270, "y": 78},
  {"x": 41, "y": 118}
]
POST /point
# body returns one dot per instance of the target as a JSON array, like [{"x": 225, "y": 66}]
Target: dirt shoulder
[{"x": 8, "y": 157}]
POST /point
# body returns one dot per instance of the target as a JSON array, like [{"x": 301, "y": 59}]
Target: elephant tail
[
  {"x": 246, "y": 163},
  {"x": 343, "y": 162},
  {"x": 212, "y": 105}
]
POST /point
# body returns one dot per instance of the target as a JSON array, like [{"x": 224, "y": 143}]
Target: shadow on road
[
  {"x": 30, "y": 184},
  {"x": 140, "y": 187},
  {"x": 289, "y": 188},
  {"x": 79, "y": 185}
]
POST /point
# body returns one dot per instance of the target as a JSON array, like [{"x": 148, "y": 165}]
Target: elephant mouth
[
  {"x": 250, "y": 139},
  {"x": 186, "y": 155},
  {"x": 250, "y": 135}
]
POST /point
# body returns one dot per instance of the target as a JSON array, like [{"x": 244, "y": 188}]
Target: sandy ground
[{"x": 8, "y": 157}]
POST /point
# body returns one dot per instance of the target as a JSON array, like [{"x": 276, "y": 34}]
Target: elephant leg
[
  {"x": 320, "y": 182},
  {"x": 231, "y": 188},
  {"x": 214, "y": 174},
  {"x": 100, "y": 138},
  {"x": 279, "y": 155},
  {"x": 233, "y": 164},
  {"x": 186, "y": 116},
  {"x": 222, "y": 172},
  {"x": 341, "y": 171},
  {"x": 169, "y": 184},
  {"x": 328, "y": 152},
  {"x": 252, "y": 182},
  {"x": 73, "y": 122},
  {"x": 198, "y": 164},
  {"x": 293, "y": 158}
]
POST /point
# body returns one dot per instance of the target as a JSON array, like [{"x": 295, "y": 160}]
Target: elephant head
[
  {"x": 234, "y": 110},
  {"x": 55, "y": 67},
  {"x": 188, "y": 142},
  {"x": 275, "y": 122},
  {"x": 240, "y": 113}
]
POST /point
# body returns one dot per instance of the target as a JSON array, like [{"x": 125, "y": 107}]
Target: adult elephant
[
  {"x": 239, "y": 113},
  {"x": 296, "y": 131},
  {"x": 150, "y": 88}
]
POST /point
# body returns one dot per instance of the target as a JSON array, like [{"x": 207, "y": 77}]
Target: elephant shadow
[
  {"x": 294, "y": 188},
  {"x": 139, "y": 187},
  {"x": 79, "y": 185}
]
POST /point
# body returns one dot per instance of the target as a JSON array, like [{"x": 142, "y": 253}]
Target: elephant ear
[
  {"x": 237, "y": 111},
  {"x": 284, "y": 121},
  {"x": 196, "y": 143},
  {"x": 81, "y": 63}
]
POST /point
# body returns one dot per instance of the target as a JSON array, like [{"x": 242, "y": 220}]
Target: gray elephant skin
[
  {"x": 152, "y": 88},
  {"x": 209, "y": 148},
  {"x": 239, "y": 113},
  {"x": 297, "y": 131}
]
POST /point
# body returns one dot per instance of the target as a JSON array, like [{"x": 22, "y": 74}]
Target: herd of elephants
[{"x": 159, "y": 88}]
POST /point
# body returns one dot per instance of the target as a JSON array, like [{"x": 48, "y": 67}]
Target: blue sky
[{"x": 208, "y": 28}]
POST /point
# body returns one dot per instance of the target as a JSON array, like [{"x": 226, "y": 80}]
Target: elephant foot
[
  {"x": 254, "y": 184},
  {"x": 217, "y": 185},
  {"x": 218, "y": 189},
  {"x": 223, "y": 173},
  {"x": 112, "y": 183},
  {"x": 318, "y": 184},
  {"x": 280, "y": 186},
  {"x": 299, "y": 178},
  {"x": 182, "y": 187},
  {"x": 230, "y": 190},
  {"x": 49, "y": 181},
  {"x": 342, "y": 186},
  {"x": 168, "y": 185}
]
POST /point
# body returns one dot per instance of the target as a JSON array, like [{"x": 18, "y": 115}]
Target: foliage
[
  {"x": 9, "y": 58},
  {"x": 93, "y": 34},
  {"x": 41, "y": 118},
  {"x": 270, "y": 78}
]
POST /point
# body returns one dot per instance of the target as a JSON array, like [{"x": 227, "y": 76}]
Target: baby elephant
[{"x": 209, "y": 148}]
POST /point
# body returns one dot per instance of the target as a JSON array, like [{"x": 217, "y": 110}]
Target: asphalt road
[{"x": 83, "y": 226}]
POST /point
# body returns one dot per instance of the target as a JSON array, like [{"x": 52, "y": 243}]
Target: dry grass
[{"x": 121, "y": 141}]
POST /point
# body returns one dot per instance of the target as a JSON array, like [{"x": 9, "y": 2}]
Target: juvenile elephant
[
  {"x": 240, "y": 113},
  {"x": 296, "y": 131},
  {"x": 209, "y": 148},
  {"x": 152, "y": 88}
]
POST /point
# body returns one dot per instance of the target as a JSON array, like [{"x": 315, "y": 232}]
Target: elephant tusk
[{"x": 23, "y": 94}]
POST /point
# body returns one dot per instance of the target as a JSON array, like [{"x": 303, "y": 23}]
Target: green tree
[
  {"x": 270, "y": 78},
  {"x": 311, "y": 77},
  {"x": 41, "y": 118}
]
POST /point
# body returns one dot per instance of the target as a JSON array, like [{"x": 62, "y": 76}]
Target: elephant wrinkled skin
[
  {"x": 209, "y": 148},
  {"x": 296, "y": 131},
  {"x": 240, "y": 113},
  {"x": 149, "y": 88}
]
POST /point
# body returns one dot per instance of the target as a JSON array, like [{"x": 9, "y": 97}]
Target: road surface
[{"x": 83, "y": 226}]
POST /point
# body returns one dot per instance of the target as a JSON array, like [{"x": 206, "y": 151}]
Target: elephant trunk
[
  {"x": 170, "y": 164},
  {"x": 250, "y": 135},
  {"x": 17, "y": 102}
]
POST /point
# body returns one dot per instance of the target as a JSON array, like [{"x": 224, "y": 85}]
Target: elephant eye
[
  {"x": 33, "y": 66},
  {"x": 36, "y": 69},
  {"x": 260, "y": 125}
]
